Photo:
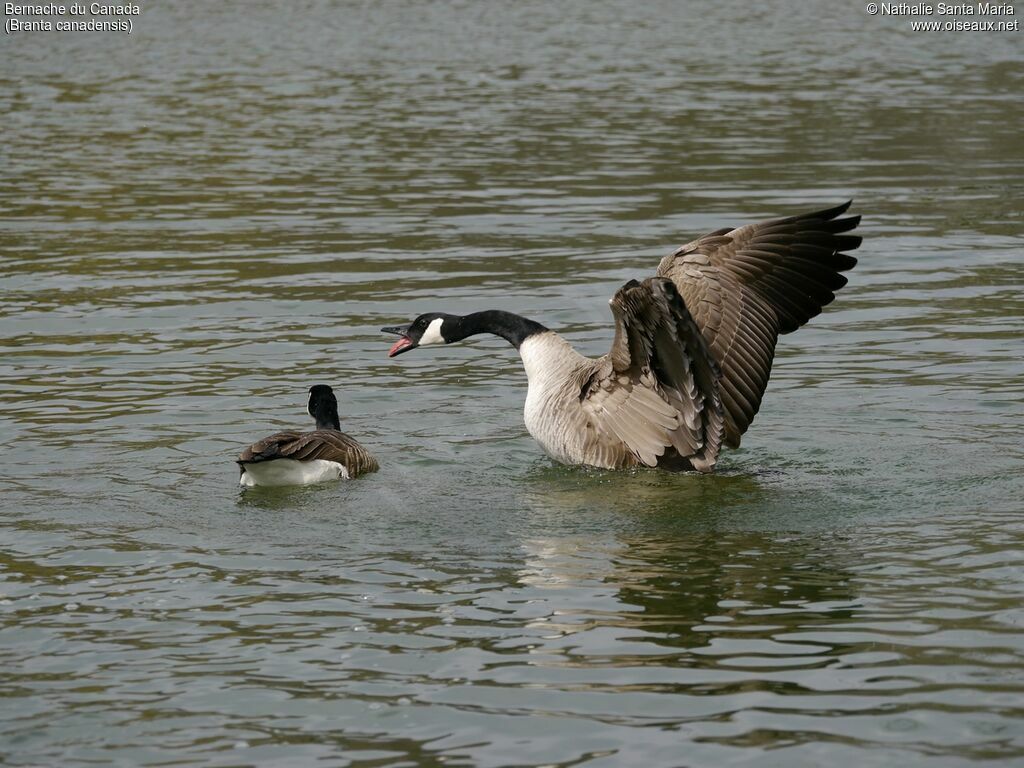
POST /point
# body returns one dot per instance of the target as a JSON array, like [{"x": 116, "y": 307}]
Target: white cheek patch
[{"x": 433, "y": 333}]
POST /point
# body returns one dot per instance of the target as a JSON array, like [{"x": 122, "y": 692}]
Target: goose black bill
[{"x": 404, "y": 344}]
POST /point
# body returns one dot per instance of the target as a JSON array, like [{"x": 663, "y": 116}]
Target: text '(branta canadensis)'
[
  {"x": 302, "y": 458},
  {"x": 693, "y": 346}
]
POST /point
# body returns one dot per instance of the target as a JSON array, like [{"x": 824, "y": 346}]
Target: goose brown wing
[
  {"x": 269, "y": 447},
  {"x": 657, "y": 388},
  {"x": 326, "y": 444},
  {"x": 746, "y": 286}
]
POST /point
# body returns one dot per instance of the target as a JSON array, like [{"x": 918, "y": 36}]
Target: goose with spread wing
[
  {"x": 293, "y": 457},
  {"x": 693, "y": 345}
]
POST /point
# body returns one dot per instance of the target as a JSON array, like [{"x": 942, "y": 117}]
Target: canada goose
[
  {"x": 692, "y": 352},
  {"x": 301, "y": 458}
]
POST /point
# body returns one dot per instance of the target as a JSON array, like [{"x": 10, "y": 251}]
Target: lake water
[{"x": 205, "y": 217}]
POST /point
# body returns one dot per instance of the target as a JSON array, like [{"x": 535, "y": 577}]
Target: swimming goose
[
  {"x": 301, "y": 458},
  {"x": 692, "y": 352}
]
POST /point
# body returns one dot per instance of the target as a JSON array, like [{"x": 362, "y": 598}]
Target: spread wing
[
  {"x": 657, "y": 389},
  {"x": 746, "y": 286},
  {"x": 327, "y": 444}
]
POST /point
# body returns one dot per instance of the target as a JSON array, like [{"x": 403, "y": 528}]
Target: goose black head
[
  {"x": 323, "y": 406},
  {"x": 431, "y": 328}
]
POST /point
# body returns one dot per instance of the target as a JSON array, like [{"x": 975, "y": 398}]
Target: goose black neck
[
  {"x": 510, "y": 326},
  {"x": 326, "y": 416}
]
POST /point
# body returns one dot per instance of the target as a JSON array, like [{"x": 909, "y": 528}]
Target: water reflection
[{"x": 691, "y": 594}]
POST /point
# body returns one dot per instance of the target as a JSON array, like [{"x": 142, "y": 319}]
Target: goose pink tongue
[{"x": 399, "y": 345}]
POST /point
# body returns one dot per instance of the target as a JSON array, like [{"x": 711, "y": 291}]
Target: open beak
[{"x": 404, "y": 344}]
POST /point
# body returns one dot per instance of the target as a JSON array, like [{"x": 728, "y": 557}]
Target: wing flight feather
[{"x": 744, "y": 287}]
